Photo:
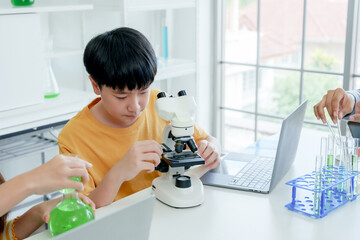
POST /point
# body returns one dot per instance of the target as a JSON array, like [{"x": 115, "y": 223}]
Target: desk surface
[{"x": 234, "y": 214}]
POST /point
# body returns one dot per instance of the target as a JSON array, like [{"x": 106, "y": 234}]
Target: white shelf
[
  {"x": 44, "y": 6},
  {"x": 64, "y": 52},
  {"x": 174, "y": 68},
  {"x": 148, "y": 5},
  {"x": 54, "y": 110}
]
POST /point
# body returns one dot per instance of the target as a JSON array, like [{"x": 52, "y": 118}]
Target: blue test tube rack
[{"x": 332, "y": 193}]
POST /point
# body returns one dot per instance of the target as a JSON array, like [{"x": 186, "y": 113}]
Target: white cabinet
[{"x": 21, "y": 60}]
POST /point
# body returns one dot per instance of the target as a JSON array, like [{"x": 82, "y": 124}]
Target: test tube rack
[{"x": 335, "y": 189}]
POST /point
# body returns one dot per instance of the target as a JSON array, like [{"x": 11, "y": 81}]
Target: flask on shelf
[
  {"x": 51, "y": 86},
  {"x": 22, "y": 2},
  {"x": 71, "y": 212}
]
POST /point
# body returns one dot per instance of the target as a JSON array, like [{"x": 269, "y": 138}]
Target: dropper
[
  {"x": 338, "y": 127},
  {"x": 331, "y": 130}
]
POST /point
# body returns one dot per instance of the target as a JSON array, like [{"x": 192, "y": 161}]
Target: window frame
[{"x": 348, "y": 74}]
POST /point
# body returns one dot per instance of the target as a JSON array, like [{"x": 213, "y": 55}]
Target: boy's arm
[{"x": 142, "y": 155}]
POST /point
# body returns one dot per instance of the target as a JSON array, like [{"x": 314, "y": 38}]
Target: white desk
[{"x": 234, "y": 214}]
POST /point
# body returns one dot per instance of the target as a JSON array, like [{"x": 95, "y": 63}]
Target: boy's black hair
[{"x": 121, "y": 58}]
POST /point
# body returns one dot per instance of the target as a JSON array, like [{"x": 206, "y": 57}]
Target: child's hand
[
  {"x": 208, "y": 152},
  {"x": 56, "y": 174},
  {"x": 142, "y": 155},
  {"x": 45, "y": 208}
]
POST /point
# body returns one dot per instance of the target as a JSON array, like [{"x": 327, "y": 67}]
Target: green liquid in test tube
[
  {"x": 330, "y": 161},
  {"x": 330, "y": 151}
]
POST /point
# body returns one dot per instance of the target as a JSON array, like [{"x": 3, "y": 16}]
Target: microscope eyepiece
[
  {"x": 182, "y": 93},
  {"x": 161, "y": 95}
]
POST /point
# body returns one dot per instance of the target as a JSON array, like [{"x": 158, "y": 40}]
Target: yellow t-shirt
[{"x": 104, "y": 146}]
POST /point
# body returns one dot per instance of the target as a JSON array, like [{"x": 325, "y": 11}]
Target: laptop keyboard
[{"x": 256, "y": 174}]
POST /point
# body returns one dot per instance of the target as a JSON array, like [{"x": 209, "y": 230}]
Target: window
[{"x": 277, "y": 53}]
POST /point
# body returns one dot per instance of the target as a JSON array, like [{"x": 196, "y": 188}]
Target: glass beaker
[
  {"x": 51, "y": 86},
  {"x": 22, "y": 2}
]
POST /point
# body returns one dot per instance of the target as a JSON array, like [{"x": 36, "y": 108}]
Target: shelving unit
[
  {"x": 175, "y": 68},
  {"x": 144, "y": 5},
  {"x": 45, "y": 7}
]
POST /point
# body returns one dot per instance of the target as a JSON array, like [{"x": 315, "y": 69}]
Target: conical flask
[
  {"x": 71, "y": 212},
  {"x": 22, "y": 2},
  {"x": 51, "y": 86}
]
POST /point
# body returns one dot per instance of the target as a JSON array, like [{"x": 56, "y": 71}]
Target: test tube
[
  {"x": 342, "y": 149},
  {"x": 330, "y": 151},
  {"x": 317, "y": 184},
  {"x": 323, "y": 146},
  {"x": 354, "y": 163},
  {"x": 349, "y": 187}
]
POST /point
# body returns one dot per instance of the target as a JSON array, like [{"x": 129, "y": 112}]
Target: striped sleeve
[{"x": 8, "y": 233}]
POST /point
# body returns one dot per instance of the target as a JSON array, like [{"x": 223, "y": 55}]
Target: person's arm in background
[
  {"x": 338, "y": 103},
  {"x": 50, "y": 177}
]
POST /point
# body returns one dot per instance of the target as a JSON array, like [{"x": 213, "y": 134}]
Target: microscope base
[{"x": 166, "y": 192}]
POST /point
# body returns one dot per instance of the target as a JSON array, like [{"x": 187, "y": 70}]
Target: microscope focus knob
[
  {"x": 183, "y": 181},
  {"x": 161, "y": 95},
  {"x": 182, "y": 93}
]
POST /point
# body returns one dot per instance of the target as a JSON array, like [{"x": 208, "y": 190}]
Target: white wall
[{"x": 206, "y": 63}]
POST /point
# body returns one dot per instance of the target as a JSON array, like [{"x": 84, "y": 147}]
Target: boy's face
[{"x": 123, "y": 107}]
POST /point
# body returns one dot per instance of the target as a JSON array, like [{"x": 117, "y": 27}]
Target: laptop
[
  {"x": 260, "y": 172},
  {"x": 128, "y": 218}
]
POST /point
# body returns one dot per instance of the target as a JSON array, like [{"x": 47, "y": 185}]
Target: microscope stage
[{"x": 185, "y": 158}]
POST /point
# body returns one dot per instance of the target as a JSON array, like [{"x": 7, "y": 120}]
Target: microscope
[{"x": 176, "y": 188}]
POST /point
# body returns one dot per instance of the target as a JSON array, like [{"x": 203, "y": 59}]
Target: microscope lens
[
  {"x": 192, "y": 145},
  {"x": 179, "y": 147},
  {"x": 181, "y": 93},
  {"x": 161, "y": 95}
]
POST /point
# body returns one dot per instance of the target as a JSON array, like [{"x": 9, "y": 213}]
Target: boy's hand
[
  {"x": 142, "y": 155},
  {"x": 208, "y": 152}
]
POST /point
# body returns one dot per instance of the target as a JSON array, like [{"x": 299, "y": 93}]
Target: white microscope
[{"x": 176, "y": 188}]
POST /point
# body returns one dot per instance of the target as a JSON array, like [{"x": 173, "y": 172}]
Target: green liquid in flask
[
  {"x": 70, "y": 213},
  {"x": 22, "y": 2}
]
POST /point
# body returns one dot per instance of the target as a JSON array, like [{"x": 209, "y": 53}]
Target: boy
[{"x": 119, "y": 133}]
